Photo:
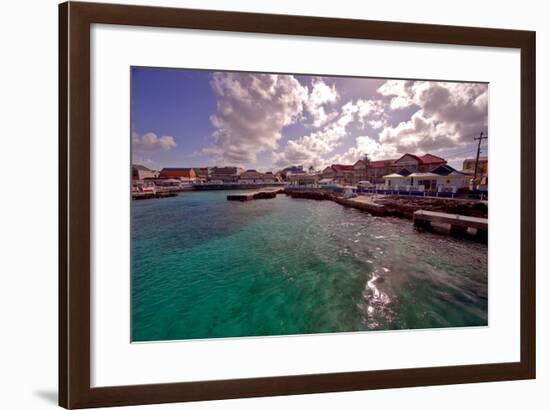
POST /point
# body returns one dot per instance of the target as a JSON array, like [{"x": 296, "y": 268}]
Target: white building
[
  {"x": 443, "y": 178},
  {"x": 141, "y": 172}
]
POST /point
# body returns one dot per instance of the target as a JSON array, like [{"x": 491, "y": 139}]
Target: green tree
[{"x": 366, "y": 159}]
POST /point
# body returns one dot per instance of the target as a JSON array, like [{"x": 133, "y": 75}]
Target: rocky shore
[
  {"x": 248, "y": 196},
  {"x": 400, "y": 207}
]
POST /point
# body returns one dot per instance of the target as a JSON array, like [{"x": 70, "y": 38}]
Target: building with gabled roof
[
  {"x": 469, "y": 165},
  {"x": 414, "y": 163},
  {"x": 140, "y": 172},
  {"x": 430, "y": 159},
  {"x": 251, "y": 176},
  {"x": 374, "y": 171},
  {"x": 294, "y": 169},
  {"x": 179, "y": 173},
  {"x": 444, "y": 177},
  {"x": 340, "y": 174},
  {"x": 226, "y": 174}
]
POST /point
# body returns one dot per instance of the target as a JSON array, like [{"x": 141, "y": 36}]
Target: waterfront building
[
  {"x": 141, "y": 172},
  {"x": 270, "y": 177},
  {"x": 377, "y": 169},
  {"x": 340, "y": 174},
  {"x": 482, "y": 182},
  {"x": 203, "y": 173},
  {"x": 371, "y": 170},
  {"x": 295, "y": 169},
  {"x": 184, "y": 174},
  {"x": 414, "y": 163},
  {"x": 328, "y": 173},
  {"x": 252, "y": 176},
  {"x": 326, "y": 183},
  {"x": 144, "y": 186},
  {"x": 303, "y": 179},
  {"x": 442, "y": 178},
  {"x": 469, "y": 165},
  {"x": 374, "y": 171},
  {"x": 360, "y": 171},
  {"x": 226, "y": 174}
]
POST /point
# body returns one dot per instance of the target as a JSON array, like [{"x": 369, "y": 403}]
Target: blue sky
[{"x": 184, "y": 118}]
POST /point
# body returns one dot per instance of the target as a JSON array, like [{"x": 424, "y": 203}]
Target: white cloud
[
  {"x": 449, "y": 114},
  {"x": 364, "y": 145},
  {"x": 399, "y": 91},
  {"x": 372, "y": 113},
  {"x": 150, "y": 142},
  {"x": 445, "y": 116},
  {"x": 321, "y": 95},
  {"x": 312, "y": 148},
  {"x": 251, "y": 111}
]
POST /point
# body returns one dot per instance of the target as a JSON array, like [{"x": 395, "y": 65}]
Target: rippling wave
[{"x": 204, "y": 267}]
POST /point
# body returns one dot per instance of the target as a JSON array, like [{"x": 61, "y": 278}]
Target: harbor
[
  {"x": 410, "y": 187},
  {"x": 280, "y": 204},
  {"x": 262, "y": 194},
  {"x": 427, "y": 212},
  {"x": 300, "y": 265},
  {"x": 469, "y": 221},
  {"x": 455, "y": 225}
]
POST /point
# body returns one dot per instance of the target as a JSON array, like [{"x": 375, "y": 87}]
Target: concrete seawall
[
  {"x": 362, "y": 203},
  {"x": 248, "y": 196},
  {"x": 397, "y": 207}
]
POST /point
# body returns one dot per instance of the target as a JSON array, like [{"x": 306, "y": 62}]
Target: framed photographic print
[{"x": 255, "y": 205}]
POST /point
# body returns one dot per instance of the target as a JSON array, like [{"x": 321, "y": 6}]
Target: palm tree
[
  {"x": 366, "y": 161},
  {"x": 311, "y": 169}
]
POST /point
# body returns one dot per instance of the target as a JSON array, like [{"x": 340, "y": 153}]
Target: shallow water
[{"x": 205, "y": 267}]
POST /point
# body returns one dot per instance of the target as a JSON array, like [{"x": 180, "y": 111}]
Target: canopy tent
[
  {"x": 395, "y": 176},
  {"x": 431, "y": 175},
  {"x": 423, "y": 175}
]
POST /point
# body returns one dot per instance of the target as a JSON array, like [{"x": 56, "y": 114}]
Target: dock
[
  {"x": 458, "y": 225},
  {"x": 151, "y": 195},
  {"x": 262, "y": 194},
  {"x": 366, "y": 200}
]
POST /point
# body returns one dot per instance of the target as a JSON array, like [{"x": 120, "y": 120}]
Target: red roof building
[
  {"x": 179, "y": 173},
  {"x": 414, "y": 163},
  {"x": 342, "y": 168},
  {"x": 340, "y": 174},
  {"x": 429, "y": 159},
  {"x": 375, "y": 170}
]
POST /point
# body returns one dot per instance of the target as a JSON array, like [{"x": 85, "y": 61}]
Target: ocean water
[{"x": 205, "y": 267}]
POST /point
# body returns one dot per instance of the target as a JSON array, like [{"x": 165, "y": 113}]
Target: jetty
[
  {"x": 458, "y": 225},
  {"x": 262, "y": 194},
  {"x": 151, "y": 194}
]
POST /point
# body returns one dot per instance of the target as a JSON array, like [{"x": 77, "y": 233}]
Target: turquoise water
[{"x": 205, "y": 267}]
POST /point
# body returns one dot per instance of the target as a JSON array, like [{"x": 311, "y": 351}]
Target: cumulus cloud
[
  {"x": 399, "y": 92},
  {"x": 320, "y": 96},
  {"x": 402, "y": 116},
  {"x": 449, "y": 114},
  {"x": 372, "y": 113},
  {"x": 312, "y": 148},
  {"x": 251, "y": 111},
  {"x": 150, "y": 142},
  {"x": 364, "y": 145}
]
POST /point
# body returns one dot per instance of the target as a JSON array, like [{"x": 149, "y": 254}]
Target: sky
[{"x": 192, "y": 118}]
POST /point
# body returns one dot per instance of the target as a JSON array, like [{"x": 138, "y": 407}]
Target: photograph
[{"x": 277, "y": 204}]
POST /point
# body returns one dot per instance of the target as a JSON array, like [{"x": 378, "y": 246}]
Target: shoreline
[
  {"x": 449, "y": 216},
  {"x": 400, "y": 207}
]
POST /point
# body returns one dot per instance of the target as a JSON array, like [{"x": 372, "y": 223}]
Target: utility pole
[{"x": 478, "y": 139}]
